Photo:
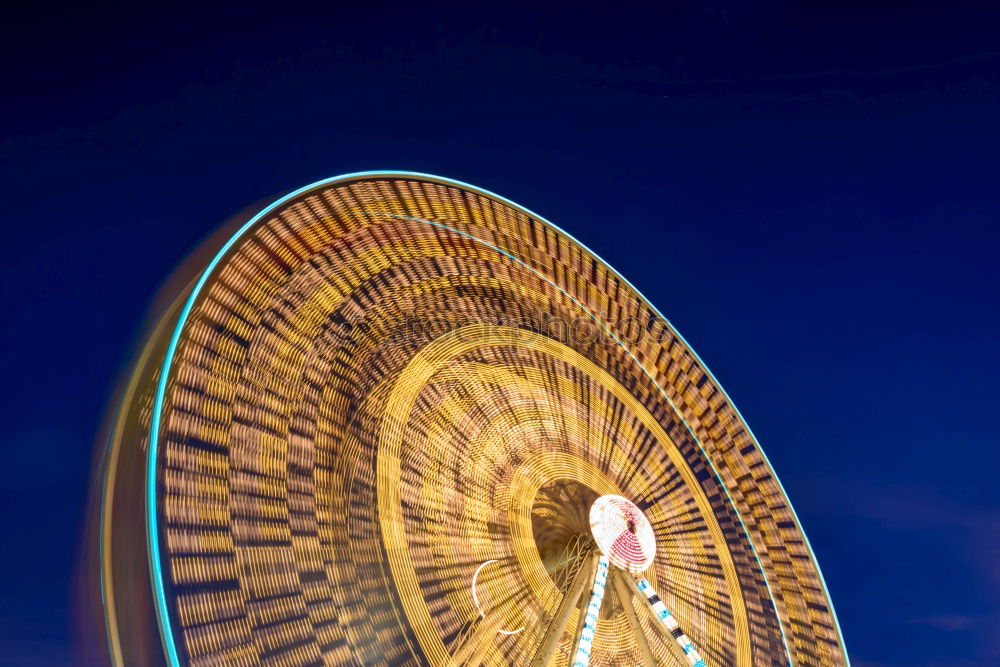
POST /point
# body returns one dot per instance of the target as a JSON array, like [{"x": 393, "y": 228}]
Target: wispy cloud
[
  {"x": 945, "y": 622},
  {"x": 931, "y": 567}
]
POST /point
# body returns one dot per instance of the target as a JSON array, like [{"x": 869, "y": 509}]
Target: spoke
[
  {"x": 624, "y": 589},
  {"x": 663, "y": 615}
]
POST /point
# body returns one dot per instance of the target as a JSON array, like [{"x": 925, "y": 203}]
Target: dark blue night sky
[{"x": 812, "y": 197}]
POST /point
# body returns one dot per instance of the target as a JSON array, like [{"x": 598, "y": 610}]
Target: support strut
[
  {"x": 554, "y": 632},
  {"x": 624, "y": 588},
  {"x": 663, "y": 615}
]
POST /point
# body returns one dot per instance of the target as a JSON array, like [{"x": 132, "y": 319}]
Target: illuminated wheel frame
[{"x": 372, "y": 431}]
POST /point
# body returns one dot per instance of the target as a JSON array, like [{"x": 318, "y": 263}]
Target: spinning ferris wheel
[{"x": 396, "y": 419}]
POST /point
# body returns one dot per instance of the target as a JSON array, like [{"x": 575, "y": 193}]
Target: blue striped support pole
[
  {"x": 593, "y": 611},
  {"x": 661, "y": 612}
]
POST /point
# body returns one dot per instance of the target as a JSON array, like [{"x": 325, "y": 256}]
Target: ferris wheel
[{"x": 396, "y": 419}]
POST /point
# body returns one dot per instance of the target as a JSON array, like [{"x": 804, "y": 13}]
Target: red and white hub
[{"x": 623, "y": 533}]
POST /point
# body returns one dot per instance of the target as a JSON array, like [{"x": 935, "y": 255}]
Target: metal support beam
[
  {"x": 625, "y": 588},
  {"x": 554, "y": 632},
  {"x": 582, "y": 608},
  {"x": 471, "y": 649}
]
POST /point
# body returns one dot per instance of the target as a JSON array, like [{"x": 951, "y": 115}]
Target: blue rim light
[{"x": 152, "y": 531}]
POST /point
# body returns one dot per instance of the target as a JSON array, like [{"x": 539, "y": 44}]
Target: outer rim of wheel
[{"x": 152, "y": 532}]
